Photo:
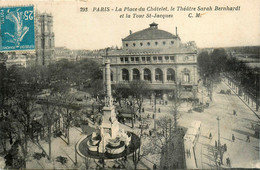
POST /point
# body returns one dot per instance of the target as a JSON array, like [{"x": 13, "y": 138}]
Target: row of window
[
  {"x": 148, "y": 43},
  {"x": 147, "y": 59},
  {"x": 148, "y": 76}
]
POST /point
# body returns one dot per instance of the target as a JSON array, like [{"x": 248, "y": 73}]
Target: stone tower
[{"x": 44, "y": 38}]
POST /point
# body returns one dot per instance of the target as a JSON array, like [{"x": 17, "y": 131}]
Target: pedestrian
[
  {"x": 234, "y": 113},
  {"x": 153, "y": 116},
  {"x": 233, "y": 138},
  {"x": 166, "y": 102},
  {"x": 216, "y": 155},
  {"x": 227, "y": 161},
  {"x": 252, "y": 126},
  {"x": 150, "y": 133},
  {"x": 143, "y": 109},
  {"x": 225, "y": 147},
  {"x": 216, "y": 144},
  {"x": 248, "y": 139},
  {"x": 159, "y": 110},
  {"x": 154, "y": 166},
  {"x": 210, "y": 136}
]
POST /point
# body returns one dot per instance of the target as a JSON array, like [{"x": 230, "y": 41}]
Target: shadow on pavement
[
  {"x": 211, "y": 158},
  {"x": 249, "y": 128},
  {"x": 256, "y": 148},
  {"x": 204, "y": 136},
  {"x": 226, "y": 139},
  {"x": 244, "y": 133},
  {"x": 210, "y": 165},
  {"x": 250, "y": 120}
]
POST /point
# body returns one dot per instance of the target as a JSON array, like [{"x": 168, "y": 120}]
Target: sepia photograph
[{"x": 130, "y": 84}]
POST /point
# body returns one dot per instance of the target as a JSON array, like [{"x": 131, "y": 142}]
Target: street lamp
[{"x": 219, "y": 145}]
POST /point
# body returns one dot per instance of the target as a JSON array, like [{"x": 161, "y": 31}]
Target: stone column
[
  {"x": 195, "y": 75},
  {"x": 176, "y": 74},
  {"x": 165, "y": 75},
  {"x": 153, "y": 75},
  {"x": 142, "y": 74},
  {"x": 108, "y": 82}
]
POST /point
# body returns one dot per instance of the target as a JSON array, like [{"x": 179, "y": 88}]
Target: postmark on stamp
[{"x": 17, "y": 28}]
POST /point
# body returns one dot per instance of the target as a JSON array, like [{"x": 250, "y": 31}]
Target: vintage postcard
[{"x": 130, "y": 84}]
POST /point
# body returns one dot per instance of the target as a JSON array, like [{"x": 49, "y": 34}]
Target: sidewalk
[
  {"x": 59, "y": 148},
  {"x": 252, "y": 106}
]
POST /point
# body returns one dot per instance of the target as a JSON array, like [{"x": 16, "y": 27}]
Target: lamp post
[{"x": 219, "y": 145}]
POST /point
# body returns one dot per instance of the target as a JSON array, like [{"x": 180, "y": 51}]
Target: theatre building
[{"x": 157, "y": 57}]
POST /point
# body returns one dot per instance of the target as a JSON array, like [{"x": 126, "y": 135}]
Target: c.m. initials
[{"x": 197, "y": 15}]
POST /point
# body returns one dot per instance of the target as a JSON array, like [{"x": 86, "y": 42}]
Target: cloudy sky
[{"x": 94, "y": 30}]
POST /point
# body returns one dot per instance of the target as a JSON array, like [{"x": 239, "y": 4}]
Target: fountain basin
[
  {"x": 84, "y": 150},
  {"x": 116, "y": 149},
  {"x": 114, "y": 142}
]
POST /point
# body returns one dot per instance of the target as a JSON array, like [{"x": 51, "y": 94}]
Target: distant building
[
  {"x": 20, "y": 59},
  {"x": 44, "y": 38},
  {"x": 157, "y": 57},
  {"x": 17, "y": 59},
  {"x": 63, "y": 53}
]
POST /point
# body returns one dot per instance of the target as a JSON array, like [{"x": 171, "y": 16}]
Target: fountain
[{"x": 109, "y": 141}]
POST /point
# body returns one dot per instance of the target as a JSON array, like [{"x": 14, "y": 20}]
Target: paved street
[{"x": 241, "y": 153}]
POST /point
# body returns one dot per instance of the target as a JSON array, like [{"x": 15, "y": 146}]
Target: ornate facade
[{"x": 157, "y": 57}]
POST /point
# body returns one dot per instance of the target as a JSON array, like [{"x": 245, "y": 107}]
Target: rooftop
[{"x": 151, "y": 33}]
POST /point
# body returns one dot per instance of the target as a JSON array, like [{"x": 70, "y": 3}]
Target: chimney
[
  {"x": 130, "y": 31},
  {"x": 176, "y": 29}
]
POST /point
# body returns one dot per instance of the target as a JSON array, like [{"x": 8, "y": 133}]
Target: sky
[{"x": 94, "y": 30}]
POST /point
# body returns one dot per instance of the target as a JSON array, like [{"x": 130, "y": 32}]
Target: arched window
[
  {"x": 125, "y": 75},
  {"x": 170, "y": 75},
  {"x": 158, "y": 74},
  {"x": 141, "y": 44},
  {"x": 148, "y": 43},
  {"x": 147, "y": 74},
  {"x": 136, "y": 74}
]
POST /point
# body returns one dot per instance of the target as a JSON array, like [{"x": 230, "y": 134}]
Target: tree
[
  {"x": 176, "y": 104},
  {"x": 67, "y": 109},
  {"x": 13, "y": 159},
  {"x": 138, "y": 90},
  {"x": 119, "y": 92},
  {"x": 210, "y": 67},
  {"x": 3, "y": 87},
  {"x": 49, "y": 118},
  {"x": 26, "y": 87}
]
